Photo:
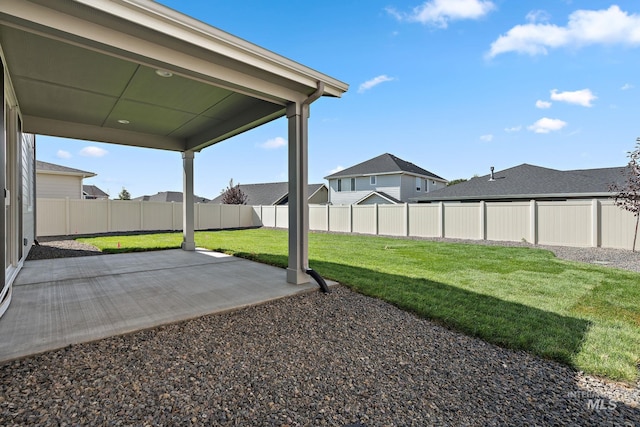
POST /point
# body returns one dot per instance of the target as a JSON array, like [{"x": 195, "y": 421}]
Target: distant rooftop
[{"x": 384, "y": 164}]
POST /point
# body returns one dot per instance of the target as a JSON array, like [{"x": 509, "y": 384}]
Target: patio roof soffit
[{"x": 80, "y": 69}]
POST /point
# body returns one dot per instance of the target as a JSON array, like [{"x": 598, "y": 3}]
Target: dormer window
[
  {"x": 372, "y": 180},
  {"x": 418, "y": 184}
]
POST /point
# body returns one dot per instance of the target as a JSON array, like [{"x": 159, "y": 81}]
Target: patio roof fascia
[{"x": 153, "y": 35}]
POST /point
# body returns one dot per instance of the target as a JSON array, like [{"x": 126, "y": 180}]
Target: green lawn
[{"x": 583, "y": 315}]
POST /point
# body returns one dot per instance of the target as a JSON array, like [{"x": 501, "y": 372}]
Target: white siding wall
[
  {"x": 389, "y": 184},
  {"x": 52, "y": 186},
  {"x": 28, "y": 188}
]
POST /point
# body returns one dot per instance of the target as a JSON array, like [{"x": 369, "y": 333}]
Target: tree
[
  {"x": 233, "y": 195},
  {"x": 124, "y": 194},
  {"x": 628, "y": 195},
  {"x": 456, "y": 181}
]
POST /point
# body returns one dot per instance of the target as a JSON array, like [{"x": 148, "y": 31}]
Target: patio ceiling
[{"x": 137, "y": 73}]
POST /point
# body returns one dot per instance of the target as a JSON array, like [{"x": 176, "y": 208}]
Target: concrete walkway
[{"x": 57, "y": 302}]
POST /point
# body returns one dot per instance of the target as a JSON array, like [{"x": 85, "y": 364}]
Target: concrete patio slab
[{"x": 58, "y": 302}]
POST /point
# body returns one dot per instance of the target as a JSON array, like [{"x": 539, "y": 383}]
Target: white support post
[
  {"x": 297, "y": 115},
  {"x": 483, "y": 220},
  {"x": 188, "y": 235},
  {"x": 533, "y": 223},
  {"x": 406, "y": 219},
  {"x": 109, "y": 207},
  {"x": 328, "y": 220},
  {"x": 376, "y": 219},
  {"x": 595, "y": 223},
  {"x": 141, "y": 215},
  {"x": 441, "y": 219}
]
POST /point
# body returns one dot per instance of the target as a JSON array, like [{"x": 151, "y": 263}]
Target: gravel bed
[{"x": 313, "y": 359}]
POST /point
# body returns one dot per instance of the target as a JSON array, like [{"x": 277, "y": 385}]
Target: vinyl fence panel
[
  {"x": 462, "y": 221},
  {"x": 424, "y": 220},
  {"x": 565, "y": 223},
  {"x": 364, "y": 219},
  {"x": 508, "y": 221}
]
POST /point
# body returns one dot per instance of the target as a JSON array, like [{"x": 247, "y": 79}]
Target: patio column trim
[
  {"x": 188, "y": 239},
  {"x": 298, "y": 115}
]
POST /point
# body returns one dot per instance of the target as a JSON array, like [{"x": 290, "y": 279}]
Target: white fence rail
[{"x": 578, "y": 223}]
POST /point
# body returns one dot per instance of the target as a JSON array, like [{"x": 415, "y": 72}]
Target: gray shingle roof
[
  {"x": 526, "y": 181},
  {"x": 92, "y": 190},
  {"x": 384, "y": 163},
  {"x": 169, "y": 196},
  {"x": 267, "y": 194},
  {"x": 51, "y": 167}
]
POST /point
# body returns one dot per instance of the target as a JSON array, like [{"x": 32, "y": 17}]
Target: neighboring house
[
  {"x": 529, "y": 182},
  {"x": 277, "y": 193},
  {"x": 58, "y": 182},
  {"x": 91, "y": 192},
  {"x": 385, "y": 179},
  {"x": 170, "y": 196}
]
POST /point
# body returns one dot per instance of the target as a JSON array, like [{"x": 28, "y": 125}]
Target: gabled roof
[
  {"x": 170, "y": 196},
  {"x": 270, "y": 193},
  {"x": 93, "y": 191},
  {"x": 529, "y": 182},
  {"x": 381, "y": 194},
  {"x": 383, "y": 164},
  {"x": 44, "y": 167}
]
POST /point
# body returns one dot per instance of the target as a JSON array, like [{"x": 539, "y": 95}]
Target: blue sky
[{"x": 454, "y": 86}]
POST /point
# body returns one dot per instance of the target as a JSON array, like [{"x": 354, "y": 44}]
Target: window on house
[
  {"x": 372, "y": 180},
  {"x": 353, "y": 184},
  {"x": 339, "y": 185},
  {"x": 426, "y": 188},
  {"x": 418, "y": 184}
]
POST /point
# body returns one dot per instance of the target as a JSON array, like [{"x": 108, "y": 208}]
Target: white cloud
[
  {"x": 580, "y": 97},
  {"x": 93, "y": 151},
  {"x": 273, "y": 143},
  {"x": 62, "y": 154},
  {"x": 440, "y": 12},
  {"x": 486, "y": 138},
  {"x": 513, "y": 129},
  {"x": 543, "y": 104},
  {"x": 336, "y": 169},
  {"x": 546, "y": 125},
  {"x": 374, "y": 82},
  {"x": 585, "y": 27},
  {"x": 538, "y": 16},
  {"x": 626, "y": 86}
]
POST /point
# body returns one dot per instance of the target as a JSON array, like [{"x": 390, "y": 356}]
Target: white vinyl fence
[
  {"x": 580, "y": 223},
  {"x": 60, "y": 217}
]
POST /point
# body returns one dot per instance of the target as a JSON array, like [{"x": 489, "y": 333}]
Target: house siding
[
  {"x": 49, "y": 186},
  {"x": 28, "y": 188},
  {"x": 320, "y": 197},
  {"x": 389, "y": 184}
]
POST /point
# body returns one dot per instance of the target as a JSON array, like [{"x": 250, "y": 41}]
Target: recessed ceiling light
[
  {"x": 124, "y": 122},
  {"x": 164, "y": 73}
]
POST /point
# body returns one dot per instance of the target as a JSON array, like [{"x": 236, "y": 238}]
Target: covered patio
[
  {"x": 58, "y": 302},
  {"x": 136, "y": 73}
]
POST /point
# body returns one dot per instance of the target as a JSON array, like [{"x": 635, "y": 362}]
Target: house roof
[
  {"x": 169, "y": 196},
  {"x": 92, "y": 190},
  {"x": 381, "y": 194},
  {"x": 271, "y": 193},
  {"x": 383, "y": 164},
  {"x": 529, "y": 182},
  {"x": 51, "y": 168},
  {"x": 135, "y": 72}
]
